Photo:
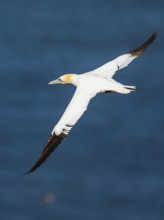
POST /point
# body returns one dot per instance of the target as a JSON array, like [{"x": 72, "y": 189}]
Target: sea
[{"x": 111, "y": 165}]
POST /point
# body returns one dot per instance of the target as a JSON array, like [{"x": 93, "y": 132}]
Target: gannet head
[{"x": 65, "y": 79}]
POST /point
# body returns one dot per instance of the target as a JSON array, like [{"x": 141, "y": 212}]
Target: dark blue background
[{"x": 112, "y": 164}]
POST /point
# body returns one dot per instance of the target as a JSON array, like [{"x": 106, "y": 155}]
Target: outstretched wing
[
  {"x": 110, "y": 68},
  {"x": 73, "y": 112},
  {"x": 51, "y": 145}
]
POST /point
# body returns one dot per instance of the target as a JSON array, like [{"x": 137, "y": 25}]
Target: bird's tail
[
  {"x": 123, "y": 89},
  {"x": 126, "y": 89},
  {"x": 131, "y": 88}
]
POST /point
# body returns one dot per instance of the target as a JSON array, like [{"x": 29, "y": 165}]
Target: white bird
[{"x": 88, "y": 85}]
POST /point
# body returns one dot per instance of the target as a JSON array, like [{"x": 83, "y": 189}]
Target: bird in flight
[{"x": 88, "y": 85}]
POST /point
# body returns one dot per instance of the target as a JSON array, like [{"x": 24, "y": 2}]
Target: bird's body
[{"x": 88, "y": 85}]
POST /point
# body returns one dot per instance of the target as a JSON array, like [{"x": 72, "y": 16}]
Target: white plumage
[{"x": 88, "y": 85}]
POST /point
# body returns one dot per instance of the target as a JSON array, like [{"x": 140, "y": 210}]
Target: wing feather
[
  {"x": 76, "y": 108},
  {"x": 110, "y": 68},
  {"x": 51, "y": 145},
  {"x": 73, "y": 112}
]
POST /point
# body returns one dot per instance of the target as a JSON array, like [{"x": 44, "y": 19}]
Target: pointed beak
[{"x": 57, "y": 81}]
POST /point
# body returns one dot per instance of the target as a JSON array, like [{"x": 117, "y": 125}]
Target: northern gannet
[{"x": 88, "y": 85}]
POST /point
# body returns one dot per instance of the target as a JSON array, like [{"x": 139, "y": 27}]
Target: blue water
[{"x": 112, "y": 164}]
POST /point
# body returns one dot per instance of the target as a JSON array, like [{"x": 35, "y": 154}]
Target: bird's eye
[{"x": 60, "y": 80}]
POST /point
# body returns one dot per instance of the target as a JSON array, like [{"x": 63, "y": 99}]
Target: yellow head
[{"x": 65, "y": 79}]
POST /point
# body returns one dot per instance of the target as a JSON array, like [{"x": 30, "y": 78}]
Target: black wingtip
[
  {"x": 153, "y": 37},
  {"x": 155, "y": 34},
  {"x": 141, "y": 49},
  {"x": 27, "y": 172},
  {"x": 51, "y": 145}
]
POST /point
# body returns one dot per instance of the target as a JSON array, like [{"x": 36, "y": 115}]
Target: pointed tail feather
[{"x": 131, "y": 88}]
